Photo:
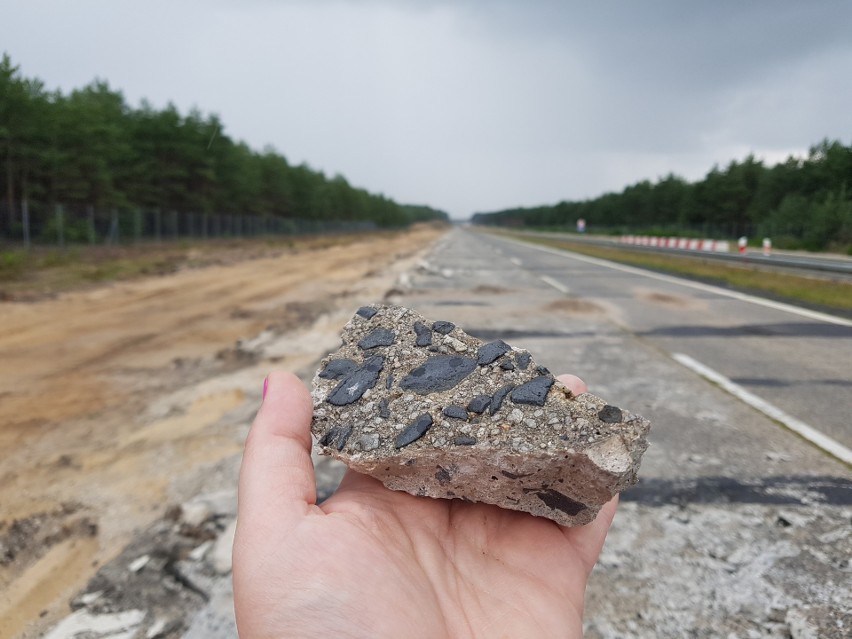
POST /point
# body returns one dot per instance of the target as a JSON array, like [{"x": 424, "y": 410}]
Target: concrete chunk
[{"x": 537, "y": 448}]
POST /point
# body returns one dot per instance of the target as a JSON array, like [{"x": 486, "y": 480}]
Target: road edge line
[
  {"x": 760, "y": 301},
  {"x": 818, "y": 439}
]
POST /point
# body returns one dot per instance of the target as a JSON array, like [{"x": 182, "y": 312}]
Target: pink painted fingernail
[{"x": 265, "y": 387}]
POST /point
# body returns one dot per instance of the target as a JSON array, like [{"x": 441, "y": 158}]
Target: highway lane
[
  {"x": 737, "y": 527},
  {"x": 799, "y": 363}
]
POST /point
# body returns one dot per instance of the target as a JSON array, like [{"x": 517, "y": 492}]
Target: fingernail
[{"x": 265, "y": 387}]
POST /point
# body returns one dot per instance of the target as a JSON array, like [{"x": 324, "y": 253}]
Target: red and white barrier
[{"x": 683, "y": 243}]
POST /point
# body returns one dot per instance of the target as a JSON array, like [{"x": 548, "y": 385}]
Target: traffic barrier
[{"x": 682, "y": 243}]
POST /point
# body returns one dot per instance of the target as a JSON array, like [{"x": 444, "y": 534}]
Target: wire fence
[{"x": 57, "y": 225}]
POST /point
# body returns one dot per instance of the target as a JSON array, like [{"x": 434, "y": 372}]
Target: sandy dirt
[{"x": 109, "y": 398}]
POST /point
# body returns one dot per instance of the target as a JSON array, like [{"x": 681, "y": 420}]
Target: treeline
[
  {"x": 802, "y": 202},
  {"x": 89, "y": 150}
]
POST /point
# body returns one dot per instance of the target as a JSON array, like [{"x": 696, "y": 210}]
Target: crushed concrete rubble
[
  {"x": 430, "y": 410},
  {"x": 179, "y": 565}
]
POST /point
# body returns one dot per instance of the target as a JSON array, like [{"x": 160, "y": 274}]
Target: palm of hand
[{"x": 370, "y": 562}]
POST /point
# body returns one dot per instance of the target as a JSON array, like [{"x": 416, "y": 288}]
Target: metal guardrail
[{"x": 754, "y": 258}]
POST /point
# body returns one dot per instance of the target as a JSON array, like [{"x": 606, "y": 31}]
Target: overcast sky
[{"x": 472, "y": 105}]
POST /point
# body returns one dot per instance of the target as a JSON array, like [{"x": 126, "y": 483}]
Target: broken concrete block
[
  {"x": 427, "y": 409},
  {"x": 117, "y": 625},
  {"x": 220, "y": 556},
  {"x": 195, "y": 512}
]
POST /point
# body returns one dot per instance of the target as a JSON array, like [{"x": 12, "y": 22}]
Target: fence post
[
  {"x": 25, "y": 220},
  {"x": 90, "y": 211},
  {"x": 137, "y": 225},
  {"x": 60, "y": 229},
  {"x": 113, "y": 227}
]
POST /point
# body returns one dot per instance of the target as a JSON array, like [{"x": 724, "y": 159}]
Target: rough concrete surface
[
  {"x": 736, "y": 529},
  {"x": 430, "y": 410}
]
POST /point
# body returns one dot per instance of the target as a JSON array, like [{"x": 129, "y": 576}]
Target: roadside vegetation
[
  {"x": 824, "y": 294},
  {"x": 802, "y": 203},
  {"x": 100, "y": 159}
]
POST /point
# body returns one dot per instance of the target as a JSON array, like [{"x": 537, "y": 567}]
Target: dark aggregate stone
[
  {"x": 506, "y": 364},
  {"x": 610, "y": 414},
  {"x": 511, "y": 475},
  {"x": 378, "y": 337},
  {"x": 491, "y": 351},
  {"x": 384, "y": 411},
  {"x": 479, "y": 403},
  {"x": 389, "y": 381},
  {"x": 456, "y": 412},
  {"x": 556, "y": 500},
  {"x": 414, "y": 432},
  {"x": 443, "y": 476},
  {"x": 424, "y": 334},
  {"x": 534, "y": 392},
  {"x": 541, "y": 370},
  {"x": 352, "y": 387},
  {"x": 523, "y": 359},
  {"x": 464, "y": 440},
  {"x": 337, "y": 368},
  {"x": 366, "y": 312},
  {"x": 443, "y": 327},
  {"x": 498, "y": 398},
  {"x": 438, "y": 373},
  {"x": 336, "y": 437}
]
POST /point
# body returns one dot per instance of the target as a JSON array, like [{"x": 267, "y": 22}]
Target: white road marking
[
  {"x": 826, "y": 443},
  {"x": 558, "y": 286},
  {"x": 779, "y": 306}
]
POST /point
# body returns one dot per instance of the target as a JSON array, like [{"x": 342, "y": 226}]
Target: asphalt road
[
  {"x": 796, "y": 361},
  {"x": 738, "y": 527}
]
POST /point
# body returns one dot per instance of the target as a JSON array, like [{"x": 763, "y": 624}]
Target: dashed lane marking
[
  {"x": 826, "y": 443},
  {"x": 557, "y": 285}
]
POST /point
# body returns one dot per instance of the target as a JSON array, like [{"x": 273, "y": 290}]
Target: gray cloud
[{"x": 469, "y": 105}]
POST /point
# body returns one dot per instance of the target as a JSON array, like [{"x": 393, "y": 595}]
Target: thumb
[
  {"x": 277, "y": 483},
  {"x": 588, "y": 540}
]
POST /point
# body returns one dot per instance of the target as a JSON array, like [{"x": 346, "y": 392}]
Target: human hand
[{"x": 371, "y": 562}]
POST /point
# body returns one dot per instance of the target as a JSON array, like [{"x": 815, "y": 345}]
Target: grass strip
[{"x": 825, "y": 294}]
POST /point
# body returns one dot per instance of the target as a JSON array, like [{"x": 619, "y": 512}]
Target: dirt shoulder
[{"x": 120, "y": 399}]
